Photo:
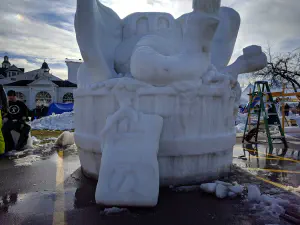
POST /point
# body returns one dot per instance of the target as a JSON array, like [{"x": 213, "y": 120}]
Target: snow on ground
[
  {"x": 240, "y": 122},
  {"x": 269, "y": 208},
  {"x": 63, "y": 121},
  {"x": 26, "y": 161}
]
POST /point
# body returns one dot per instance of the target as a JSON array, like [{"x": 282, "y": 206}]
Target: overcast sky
[{"x": 34, "y": 30}]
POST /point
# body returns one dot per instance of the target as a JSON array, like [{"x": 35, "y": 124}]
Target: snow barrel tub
[{"x": 198, "y": 134}]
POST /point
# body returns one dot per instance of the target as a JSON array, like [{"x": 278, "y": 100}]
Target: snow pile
[
  {"x": 113, "y": 210},
  {"x": 266, "y": 206},
  {"x": 63, "y": 121},
  {"x": 240, "y": 122},
  {"x": 65, "y": 139},
  {"x": 222, "y": 189}
]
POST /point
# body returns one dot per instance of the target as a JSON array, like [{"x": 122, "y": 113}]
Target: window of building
[
  {"x": 68, "y": 98},
  {"x": 43, "y": 98}
]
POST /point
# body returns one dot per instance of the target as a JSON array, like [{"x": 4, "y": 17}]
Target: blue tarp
[
  {"x": 59, "y": 108},
  {"x": 255, "y": 102}
]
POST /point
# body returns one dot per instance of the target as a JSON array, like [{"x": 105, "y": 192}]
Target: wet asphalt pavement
[{"x": 52, "y": 190}]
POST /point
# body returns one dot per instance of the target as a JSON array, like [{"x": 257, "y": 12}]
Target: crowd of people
[{"x": 13, "y": 116}]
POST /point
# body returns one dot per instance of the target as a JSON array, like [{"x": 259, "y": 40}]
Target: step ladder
[{"x": 268, "y": 117}]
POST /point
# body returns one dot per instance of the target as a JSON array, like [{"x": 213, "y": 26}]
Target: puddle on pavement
[{"x": 282, "y": 166}]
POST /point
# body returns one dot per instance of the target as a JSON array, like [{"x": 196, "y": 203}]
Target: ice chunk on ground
[
  {"x": 237, "y": 189},
  {"x": 129, "y": 172},
  {"x": 221, "y": 191},
  {"x": 114, "y": 210},
  {"x": 209, "y": 187},
  {"x": 65, "y": 139},
  {"x": 253, "y": 193}
]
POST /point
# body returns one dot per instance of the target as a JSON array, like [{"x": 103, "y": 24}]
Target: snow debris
[
  {"x": 26, "y": 161},
  {"x": 237, "y": 189},
  {"x": 63, "y": 121},
  {"x": 268, "y": 207},
  {"x": 223, "y": 189},
  {"x": 113, "y": 210}
]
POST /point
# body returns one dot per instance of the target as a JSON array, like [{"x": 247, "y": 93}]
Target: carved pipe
[{"x": 253, "y": 59}]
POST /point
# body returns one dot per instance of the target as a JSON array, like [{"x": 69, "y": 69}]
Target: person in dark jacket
[
  {"x": 287, "y": 109},
  {"x": 17, "y": 115},
  {"x": 3, "y": 110}
]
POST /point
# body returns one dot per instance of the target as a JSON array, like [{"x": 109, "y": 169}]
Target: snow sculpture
[{"x": 152, "y": 65}]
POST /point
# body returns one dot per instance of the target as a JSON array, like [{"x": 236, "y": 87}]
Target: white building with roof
[{"x": 39, "y": 87}]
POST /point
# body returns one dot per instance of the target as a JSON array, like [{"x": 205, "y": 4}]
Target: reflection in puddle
[
  {"x": 281, "y": 166},
  {"x": 8, "y": 200}
]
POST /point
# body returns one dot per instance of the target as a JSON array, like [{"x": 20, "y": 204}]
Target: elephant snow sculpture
[{"x": 176, "y": 69}]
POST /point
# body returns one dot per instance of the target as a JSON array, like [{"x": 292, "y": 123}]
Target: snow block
[
  {"x": 237, "y": 189},
  {"x": 65, "y": 139},
  {"x": 209, "y": 187},
  {"x": 221, "y": 191},
  {"x": 254, "y": 194},
  {"x": 129, "y": 174}
]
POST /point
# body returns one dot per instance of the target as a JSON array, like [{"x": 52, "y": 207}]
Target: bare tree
[{"x": 282, "y": 68}]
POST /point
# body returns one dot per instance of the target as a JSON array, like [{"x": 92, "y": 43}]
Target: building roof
[
  {"x": 64, "y": 83},
  {"x": 20, "y": 83},
  {"x": 23, "y": 83}
]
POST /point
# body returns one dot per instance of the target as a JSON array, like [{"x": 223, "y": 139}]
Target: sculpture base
[{"x": 173, "y": 170}]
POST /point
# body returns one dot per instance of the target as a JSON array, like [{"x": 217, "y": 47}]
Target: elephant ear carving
[
  {"x": 98, "y": 32},
  {"x": 225, "y": 37}
]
